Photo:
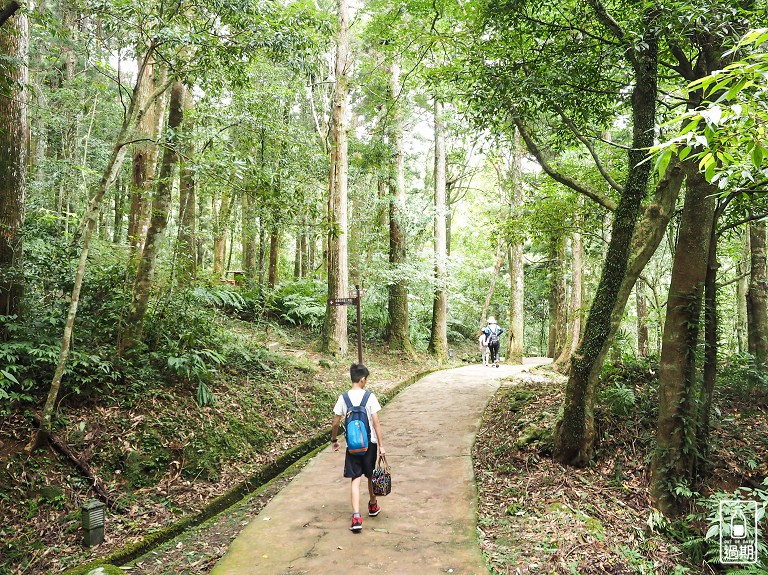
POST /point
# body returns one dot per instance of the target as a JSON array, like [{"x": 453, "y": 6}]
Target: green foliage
[
  {"x": 301, "y": 303},
  {"x": 741, "y": 377},
  {"x": 712, "y": 515},
  {"x": 619, "y": 399}
]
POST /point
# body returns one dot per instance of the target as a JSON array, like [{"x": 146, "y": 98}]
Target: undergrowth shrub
[
  {"x": 740, "y": 377},
  {"x": 300, "y": 303}
]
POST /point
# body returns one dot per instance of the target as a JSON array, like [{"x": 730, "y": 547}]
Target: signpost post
[{"x": 354, "y": 299}]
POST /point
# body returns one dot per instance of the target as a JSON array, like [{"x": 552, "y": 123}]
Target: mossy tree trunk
[
  {"x": 674, "y": 456},
  {"x": 438, "y": 341},
  {"x": 575, "y": 432}
]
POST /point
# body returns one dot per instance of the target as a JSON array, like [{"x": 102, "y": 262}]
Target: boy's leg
[{"x": 355, "y": 495}]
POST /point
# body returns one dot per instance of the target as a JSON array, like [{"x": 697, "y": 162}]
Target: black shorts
[{"x": 356, "y": 465}]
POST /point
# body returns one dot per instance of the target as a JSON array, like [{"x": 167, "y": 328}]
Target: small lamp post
[{"x": 93, "y": 514}]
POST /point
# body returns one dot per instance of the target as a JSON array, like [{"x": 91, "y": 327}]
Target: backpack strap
[
  {"x": 347, "y": 400},
  {"x": 366, "y": 395}
]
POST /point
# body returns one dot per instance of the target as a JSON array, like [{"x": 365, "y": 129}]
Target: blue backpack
[{"x": 358, "y": 430}]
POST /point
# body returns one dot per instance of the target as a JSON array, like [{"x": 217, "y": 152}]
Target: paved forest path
[{"x": 427, "y": 524}]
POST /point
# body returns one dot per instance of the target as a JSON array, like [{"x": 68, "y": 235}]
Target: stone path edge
[{"x": 289, "y": 462}]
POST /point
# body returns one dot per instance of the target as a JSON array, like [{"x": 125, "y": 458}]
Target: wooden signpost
[{"x": 354, "y": 299}]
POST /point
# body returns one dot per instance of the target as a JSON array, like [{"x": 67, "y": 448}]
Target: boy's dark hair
[{"x": 358, "y": 371}]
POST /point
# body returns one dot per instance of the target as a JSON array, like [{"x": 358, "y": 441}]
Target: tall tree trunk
[
  {"x": 710, "y": 348},
  {"x": 262, "y": 250},
  {"x": 187, "y": 265},
  {"x": 673, "y": 459},
  {"x": 87, "y": 226},
  {"x": 250, "y": 249},
  {"x": 575, "y": 432},
  {"x": 334, "y": 338},
  {"x": 516, "y": 263},
  {"x": 742, "y": 287},
  {"x": 563, "y": 363},
  {"x": 161, "y": 205},
  {"x": 221, "y": 215},
  {"x": 757, "y": 296},
  {"x": 303, "y": 250},
  {"x": 14, "y": 145},
  {"x": 438, "y": 341},
  {"x": 297, "y": 256},
  {"x": 641, "y": 303},
  {"x": 274, "y": 255},
  {"x": 558, "y": 317},
  {"x": 398, "y": 329},
  {"x": 120, "y": 193},
  {"x": 145, "y": 156}
]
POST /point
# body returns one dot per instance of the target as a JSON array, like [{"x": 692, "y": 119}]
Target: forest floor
[
  {"x": 535, "y": 516},
  {"x": 163, "y": 457}
]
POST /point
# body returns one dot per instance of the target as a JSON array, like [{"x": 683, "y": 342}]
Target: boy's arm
[
  {"x": 335, "y": 432},
  {"x": 377, "y": 428}
]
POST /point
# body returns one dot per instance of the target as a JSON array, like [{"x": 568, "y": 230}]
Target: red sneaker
[
  {"x": 373, "y": 509},
  {"x": 357, "y": 524}
]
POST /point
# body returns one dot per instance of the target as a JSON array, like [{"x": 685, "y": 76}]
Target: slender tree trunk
[
  {"x": 297, "y": 256},
  {"x": 757, "y": 296},
  {"x": 161, "y": 205},
  {"x": 334, "y": 338},
  {"x": 710, "y": 348},
  {"x": 641, "y": 304},
  {"x": 187, "y": 265},
  {"x": 563, "y": 363},
  {"x": 250, "y": 249},
  {"x": 303, "y": 250},
  {"x": 262, "y": 250},
  {"x": 14, "y": 145},
  {"x": 398, "y": 329},
  {"x": 516, "y": 263},
  {"x": 558, "y": 317},
  {"x": 131, "y": 120},
  {"x": 742, "y": 287},
  {"x": 438, "y": 342},
  {"x": 274, "y": 255},
  {"x": 117, "y": 231},
  {"x": 221, "y": 218},
  {"x": 673, "y": 459},
  {"x": 575, "y": 432}
]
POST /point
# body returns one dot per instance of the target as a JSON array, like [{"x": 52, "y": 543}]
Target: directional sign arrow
[{"x": 343, "y": 301}]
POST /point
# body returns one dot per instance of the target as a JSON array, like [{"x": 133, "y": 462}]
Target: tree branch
[
  {"x": 590, "y": 147},
  {"x": 9, "y": 11},
  {"x": 607, "y": 203}
]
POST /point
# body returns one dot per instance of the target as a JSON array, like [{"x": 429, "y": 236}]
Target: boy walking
[{"x": 358, "y": 464}]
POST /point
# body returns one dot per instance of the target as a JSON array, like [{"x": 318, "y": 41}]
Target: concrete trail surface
[{"x": 427, "y": 525}]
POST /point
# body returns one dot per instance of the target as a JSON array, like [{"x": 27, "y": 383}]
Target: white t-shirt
[{"x": 356, "y": 397}]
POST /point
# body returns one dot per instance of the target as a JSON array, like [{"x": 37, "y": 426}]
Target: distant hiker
[
  {"x": 493, "y": 332},
  {"x": 483, "y": 342},
  {"x": 360, "y": 460}
]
